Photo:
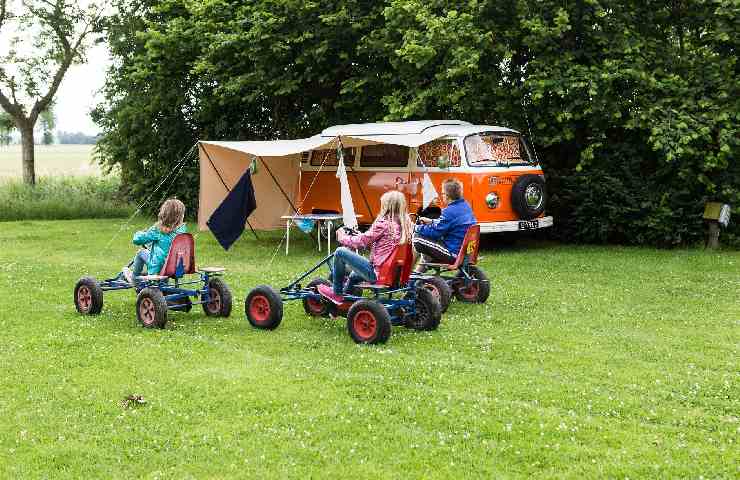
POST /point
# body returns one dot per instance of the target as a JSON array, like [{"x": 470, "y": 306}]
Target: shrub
[{"x": 62, "y": 198}]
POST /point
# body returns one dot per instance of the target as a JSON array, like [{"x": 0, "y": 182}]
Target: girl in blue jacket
[{"x": 159, "y": 236}]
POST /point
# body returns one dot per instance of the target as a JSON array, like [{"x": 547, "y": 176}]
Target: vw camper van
[{"x": 502, "y": 180}]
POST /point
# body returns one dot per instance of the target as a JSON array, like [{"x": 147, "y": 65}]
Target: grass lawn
[
  {"x": 586, "y": 362},
  {"x": 50, "y": 160}
]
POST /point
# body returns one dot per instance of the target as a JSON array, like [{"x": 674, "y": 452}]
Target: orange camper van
[{"x": 502, "y": 180}]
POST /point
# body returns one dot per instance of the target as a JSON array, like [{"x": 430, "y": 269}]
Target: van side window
[
  {"x": 430, "y": 152},
  {"x": 497, "y": 148},
  {"x": 329, "y": 157},
  {"x": 384, "y": 155}
]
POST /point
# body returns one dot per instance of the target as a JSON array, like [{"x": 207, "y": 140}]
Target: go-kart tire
[
  {"x": 440, "y": 289},
  {"x": 151, "y": 308},
  {"x": 183, "y": 304},
  {"x": 428, "y": 311},
  {"x": 220, "y": 299},
  {"x": 88, "y": 296},
  {"x": 476, "y": 292},
  {"x": 368, "y": 322},
  {"x": 264, "y": 308},
  {"x": 519, "y": 193},
  {"x": 316, "y": 308}
]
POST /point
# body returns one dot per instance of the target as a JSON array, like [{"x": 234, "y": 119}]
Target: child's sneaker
[
  {"x": 328, "y": 292},
  {"x": 128, "y": 275}
]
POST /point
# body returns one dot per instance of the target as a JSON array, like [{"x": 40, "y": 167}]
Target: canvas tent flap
[
  {"x": 276, "y": 148},
  {"x": 221, "y": 168}
]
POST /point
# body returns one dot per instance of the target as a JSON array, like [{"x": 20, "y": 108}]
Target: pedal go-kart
[
  {"x": 393, "y": 299},
  {"x": 469, "y": 284},
  {"x": 156, "y": 294}
]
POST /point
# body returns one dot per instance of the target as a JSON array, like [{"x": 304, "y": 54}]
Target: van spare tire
[{"x": 528, "y": 196}]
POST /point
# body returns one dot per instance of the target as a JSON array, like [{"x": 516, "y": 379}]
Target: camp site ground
[{"x": 586, "y": 362}]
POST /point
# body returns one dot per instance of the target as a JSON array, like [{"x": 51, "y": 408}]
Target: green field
[
  {"x": 51, "y": 160},
  {"x": 586, "y": 362}
]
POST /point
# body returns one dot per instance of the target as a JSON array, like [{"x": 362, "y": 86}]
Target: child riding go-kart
[
  {"x": 156, "y": 294},
  {"x": 394, "y": 299},
  {"x": 469, "y": 284}
]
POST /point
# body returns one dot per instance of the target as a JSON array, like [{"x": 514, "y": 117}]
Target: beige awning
[{"x": 222, "y": 163}]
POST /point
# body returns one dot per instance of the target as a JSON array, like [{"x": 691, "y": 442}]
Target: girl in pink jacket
[{"x": 391, "y": 228}]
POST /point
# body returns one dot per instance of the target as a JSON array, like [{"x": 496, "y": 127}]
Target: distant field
[{"x": 50, "y": 160}]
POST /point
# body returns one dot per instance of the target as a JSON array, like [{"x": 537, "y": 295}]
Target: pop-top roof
[{"x": 388, "y": 128}]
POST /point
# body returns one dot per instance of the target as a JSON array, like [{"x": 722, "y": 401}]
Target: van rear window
[
  {"x": 328, "y": 158},
  {"x": 496, "y": 148},
  {"x": 429, "y": 153},
  {"x": 384, "y": 156}
]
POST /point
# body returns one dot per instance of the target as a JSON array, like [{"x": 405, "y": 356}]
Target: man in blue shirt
[{"x": 439, "y": 240}]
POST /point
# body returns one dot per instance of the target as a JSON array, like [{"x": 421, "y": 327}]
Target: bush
[{"x": 63, "y": 198}]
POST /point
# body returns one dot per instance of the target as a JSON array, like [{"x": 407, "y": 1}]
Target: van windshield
[{"x": 486, "y": 149}]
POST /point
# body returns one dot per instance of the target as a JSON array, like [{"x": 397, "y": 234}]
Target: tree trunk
[{"x": 29, "y": 169}]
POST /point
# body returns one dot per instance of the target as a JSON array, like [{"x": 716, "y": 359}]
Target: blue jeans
[
  {"x": 139, "y": 262},
  {"x": 360, "y": 267}
]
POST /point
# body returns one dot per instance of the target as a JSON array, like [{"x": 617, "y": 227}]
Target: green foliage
[
  {"x": 641, "y": 96},
  {"x": 48, "y": 123},
  {"x": 61, "y": 198},
  {"x": 586, "y": 362},
  {"x": 6, "y": 127}
]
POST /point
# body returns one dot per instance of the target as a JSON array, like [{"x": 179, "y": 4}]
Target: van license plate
[{"x": 528, "y": 225}]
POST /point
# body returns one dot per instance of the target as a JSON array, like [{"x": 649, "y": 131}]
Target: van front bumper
[{"x": 516, "y": 225}]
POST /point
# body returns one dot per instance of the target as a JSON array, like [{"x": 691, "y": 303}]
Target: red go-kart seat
[
  {"x": 395, "y": 271},
  {"x": 182, "y": 251},
  {"x": 469, "y": 249}
]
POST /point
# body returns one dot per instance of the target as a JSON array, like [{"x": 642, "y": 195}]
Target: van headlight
[{"x": 492, "y": 200}]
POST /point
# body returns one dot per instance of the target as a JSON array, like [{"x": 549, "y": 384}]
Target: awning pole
[
  {"x": 295, "y": 210},
  {"x": 278, "y": 185},
  {"x": 359, "y": 185}
]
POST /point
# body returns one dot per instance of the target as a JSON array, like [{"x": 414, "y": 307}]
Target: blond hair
[
  {"x": 171, "y": 214},
  {"x": 393, "y": 207}
]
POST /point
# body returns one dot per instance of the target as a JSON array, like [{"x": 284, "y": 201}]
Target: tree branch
[
  {"x": 13, "y": 109},
  {"x": 3, "y": 12},
  {"x": 71, "y": 50}
]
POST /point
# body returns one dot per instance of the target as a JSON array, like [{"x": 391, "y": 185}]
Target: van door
[
  {"x": 380, "y": 168},
  {"x": 440, "y": 159}
]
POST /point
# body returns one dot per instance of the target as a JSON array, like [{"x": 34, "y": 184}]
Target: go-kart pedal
[{"x": 327, "y": 291}]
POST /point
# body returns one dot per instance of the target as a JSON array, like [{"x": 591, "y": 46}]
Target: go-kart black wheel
[
  {"x": 440, "y": 289},
  {"x": 316, "y": 308},
  {"x": 428, "y": 311},
  {"x": 88, "y": 296},
  {"x": 183, "y": 304},
  {"x": 264, "y": 308},
  {"x": 220, "y": 299},
  {"x": 368, "y": 322},
  {"x": 477, "y": 290},
  {"x": 151, "y": 308}
]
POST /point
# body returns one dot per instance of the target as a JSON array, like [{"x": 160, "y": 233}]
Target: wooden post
[
  {"x": 716, "y": 215},
  {"x": 713, "y": 235}
]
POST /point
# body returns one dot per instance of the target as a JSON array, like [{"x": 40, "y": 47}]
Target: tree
[
  {"x": 632, "y": 104},
  {"x": 48, "y": 37}
]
